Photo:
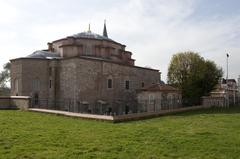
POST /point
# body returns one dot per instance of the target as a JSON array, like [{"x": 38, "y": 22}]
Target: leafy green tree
[
  {"x": 194, "y": 75},
  {"x": 4, "y": 78}
]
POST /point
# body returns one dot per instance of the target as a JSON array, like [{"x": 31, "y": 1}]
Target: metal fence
[
  {"x": 221, "y": 101},
  {"x": 116, "y": 107},
  {"x": 123, "y": 107},
  {"x": 158, "y": 105}
]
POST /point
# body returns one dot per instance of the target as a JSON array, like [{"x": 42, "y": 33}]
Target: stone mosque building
[{"x": 85, "y": 72}]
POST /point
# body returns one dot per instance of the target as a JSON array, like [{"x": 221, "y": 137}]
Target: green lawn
[{"x": 213, "y": 133}]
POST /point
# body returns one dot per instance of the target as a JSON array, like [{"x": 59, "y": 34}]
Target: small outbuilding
[{"x": 158, "y": 97}]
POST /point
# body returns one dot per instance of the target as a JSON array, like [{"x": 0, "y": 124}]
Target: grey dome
[
  {"x": 90, "y": 35},
  {"x": 41, "y": 54}
]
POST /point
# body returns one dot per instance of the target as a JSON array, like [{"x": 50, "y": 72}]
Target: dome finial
[
  {"x": 105, "y": 29},
  {"x": 89, "y": 28}
]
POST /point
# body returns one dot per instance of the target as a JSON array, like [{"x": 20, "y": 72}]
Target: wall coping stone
[{"x": 15, "y": 97}]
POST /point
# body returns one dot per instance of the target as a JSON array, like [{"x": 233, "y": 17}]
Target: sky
[{"x": 153, "y": 30}]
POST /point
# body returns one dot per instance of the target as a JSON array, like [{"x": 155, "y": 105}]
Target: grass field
[{"x": 203, "y": 134}]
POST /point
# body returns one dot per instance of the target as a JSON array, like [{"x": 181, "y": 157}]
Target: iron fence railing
[{"x": 121, "y": 107}]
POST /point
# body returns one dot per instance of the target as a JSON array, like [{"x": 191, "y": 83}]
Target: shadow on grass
[{"x": 213, "y": 110}]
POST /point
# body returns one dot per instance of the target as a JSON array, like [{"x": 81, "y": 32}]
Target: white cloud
[{"x": 7, "y": 13}]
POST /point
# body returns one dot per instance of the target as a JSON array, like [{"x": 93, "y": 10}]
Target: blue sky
[{"x": 152, "y": 29}]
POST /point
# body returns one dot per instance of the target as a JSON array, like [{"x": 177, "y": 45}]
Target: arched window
[
  {"x": 109, "y": 83},
  {"x": 15, "y": 85},
  {"x": 127, "y": 84},
  {"x": 151, "y": 98},
  {"x": 88, "y": 50},
  {"x": 36, "y": 85}
]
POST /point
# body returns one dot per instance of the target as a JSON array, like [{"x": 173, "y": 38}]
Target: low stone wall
[
  {"x": 120, "y": 118},
  {"x": 71, "y": 114},
  {"x": 5, "y": 103},
  {"x": 130, "y": 117},
  {"x": 14, "y": 102},
  {"x": 214, "y": 101}
]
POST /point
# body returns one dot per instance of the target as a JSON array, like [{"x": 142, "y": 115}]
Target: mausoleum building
[{"x": 85, "y": 72}]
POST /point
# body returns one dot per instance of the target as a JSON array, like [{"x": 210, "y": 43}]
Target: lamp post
[
  {"x": 227, "y": 66},
  {"x": 227, "y": 89}
]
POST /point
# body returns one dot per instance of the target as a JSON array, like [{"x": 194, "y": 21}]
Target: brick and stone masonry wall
[
  {"x": 26, "y": 71},
  {"x": 80, "y": 80},
  {"x": 86, "y": 80},
  {"x": 15, "y": 102}
]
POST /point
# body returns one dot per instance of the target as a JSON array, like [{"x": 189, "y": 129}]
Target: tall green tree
[
  {"x": 5, "y": 75},
  {"x": 194, "y": 75},
  {"x": 4, "y": 78}
]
